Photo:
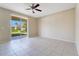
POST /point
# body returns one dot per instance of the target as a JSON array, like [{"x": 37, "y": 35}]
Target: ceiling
[{"x": 47, "y": 8}]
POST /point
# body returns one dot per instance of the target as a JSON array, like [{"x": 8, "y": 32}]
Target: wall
[
  {"x": 77, "y": 27},
  {"x": 58, "y": 26},
  {"x": 5, "y": 16},
  {"x": 33, "y": 27},
  {"x": 4, "y": 26}
]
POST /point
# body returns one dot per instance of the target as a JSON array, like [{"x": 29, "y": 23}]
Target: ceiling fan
[{"x": 34, "y": 7}]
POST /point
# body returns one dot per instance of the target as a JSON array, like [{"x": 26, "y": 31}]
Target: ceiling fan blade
[
  {"x": 33, "y": 11},
  {"x": 28, "y": 8},
  {"x": 36, "y": 6},
  {"x": 33, "y": 4},
  {"x": 38, "y": 10}
]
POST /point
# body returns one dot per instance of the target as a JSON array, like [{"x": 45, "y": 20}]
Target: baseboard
[
  {"x": 59, "y": 39},
  {"x": 66, "y": 40}
]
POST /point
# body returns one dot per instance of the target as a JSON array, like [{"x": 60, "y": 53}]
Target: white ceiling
[{"x": 47, "y": 8}]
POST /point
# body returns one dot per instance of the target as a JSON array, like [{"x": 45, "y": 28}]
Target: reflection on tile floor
[{"x": 38, "y": 47}]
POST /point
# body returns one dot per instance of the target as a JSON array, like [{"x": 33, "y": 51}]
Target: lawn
[
  {"x": 17, "y": 32},
  {"x": 18, "y": 26}
]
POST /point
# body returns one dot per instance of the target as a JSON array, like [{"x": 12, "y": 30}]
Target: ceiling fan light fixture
[{"x": 33, "y": 7}]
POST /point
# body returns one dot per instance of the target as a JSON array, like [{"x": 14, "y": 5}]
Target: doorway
[{"x": 18, "y": 27}]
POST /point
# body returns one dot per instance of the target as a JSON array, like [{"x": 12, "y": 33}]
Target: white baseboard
[{"x": 59, "y": 39}]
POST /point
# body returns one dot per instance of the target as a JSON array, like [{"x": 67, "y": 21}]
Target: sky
[{"x": 13, "y": 23}]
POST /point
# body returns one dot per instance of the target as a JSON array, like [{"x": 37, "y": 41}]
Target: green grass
[{"x": 17, "y": 32}]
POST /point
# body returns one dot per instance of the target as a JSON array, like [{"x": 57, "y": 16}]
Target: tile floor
[{"x": 37, "y": 47}]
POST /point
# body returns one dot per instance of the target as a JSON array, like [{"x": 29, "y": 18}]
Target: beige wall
[
  {"x": 58, "y": 26},
  {"x": 77, "y": 27},
  {"x": 5, "y": 16},
  {"x": 4, "y": 26},
  {"x": 33, "y": 27}
]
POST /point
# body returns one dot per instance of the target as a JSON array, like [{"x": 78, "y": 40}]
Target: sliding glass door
[{"x": 18, "y": 26}]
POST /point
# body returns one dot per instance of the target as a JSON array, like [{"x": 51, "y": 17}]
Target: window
[{"x": 18, "y": 26}]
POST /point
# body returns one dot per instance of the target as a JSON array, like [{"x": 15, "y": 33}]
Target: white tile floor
[{"x": 37, "y": 47}]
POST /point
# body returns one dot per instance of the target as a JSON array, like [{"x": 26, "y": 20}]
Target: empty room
[{"x": 39, "y": 29}]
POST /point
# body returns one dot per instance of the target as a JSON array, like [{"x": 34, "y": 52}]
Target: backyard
[{"x": 18, "y": 26}]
